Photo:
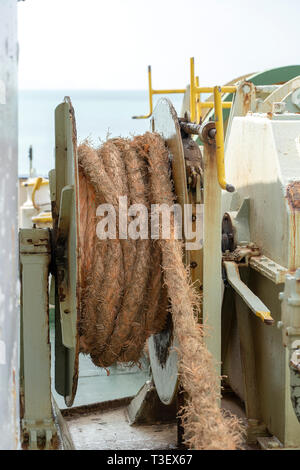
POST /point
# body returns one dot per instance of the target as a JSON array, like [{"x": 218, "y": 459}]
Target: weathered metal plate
[
  {"x": 162, "y": 346},
  {"x": 65, "y": 213},
  {"x": 268, "y": 77},
  {"x": 165, "y": 373}
]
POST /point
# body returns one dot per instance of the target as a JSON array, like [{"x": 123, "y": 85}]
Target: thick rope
[{"x": 128, "y": 284}]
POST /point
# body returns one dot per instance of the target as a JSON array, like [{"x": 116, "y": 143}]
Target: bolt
[
  {"x": 246, "y": 89},
  {"x": 279, "y": 107},
  {"x": 212, "y": 133},
  {"x": 193, "y": 264}
]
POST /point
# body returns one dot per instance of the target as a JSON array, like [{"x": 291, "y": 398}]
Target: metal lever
[
  {"x": 155, "y": 92},
  {"x": 253, "y": 302},
  {"x": 220, "y": 140}
]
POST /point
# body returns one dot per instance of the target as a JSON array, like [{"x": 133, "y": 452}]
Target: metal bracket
[{"x": 268, "y": 268}]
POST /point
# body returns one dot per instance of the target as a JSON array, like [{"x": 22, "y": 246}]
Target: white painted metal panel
[{"x": 9, "y": 295}]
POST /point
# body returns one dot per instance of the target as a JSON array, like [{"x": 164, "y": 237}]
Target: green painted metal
[
  {"x": 276, "y": 75},
  {"x": 267, "y": 77},
  {"x": 65, "y": 203}
]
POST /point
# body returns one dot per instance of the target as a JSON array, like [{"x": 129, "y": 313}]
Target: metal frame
[{"x": 38, "y": 427}]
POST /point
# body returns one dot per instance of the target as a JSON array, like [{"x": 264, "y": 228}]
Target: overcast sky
[{"x": 107, "y": 44}]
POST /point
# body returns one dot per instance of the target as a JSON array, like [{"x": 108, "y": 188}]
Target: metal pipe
[
  {"x": 224, "y": 89},
  {"x": 192, "y": 90},
  {"x": 210, "y": 104},
  {"x": 198, "y": 129},
  {"x": 220, "y": 140},
  {"x": 198, "y": 102},
  {"x": 156, "y": 92},
  {"x": 168, "y": 92}
]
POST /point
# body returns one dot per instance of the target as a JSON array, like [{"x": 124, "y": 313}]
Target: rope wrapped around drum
[{"x": 128, "y": 286}]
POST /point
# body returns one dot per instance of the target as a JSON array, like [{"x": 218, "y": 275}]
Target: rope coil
[{"x": 127, "y": 285}]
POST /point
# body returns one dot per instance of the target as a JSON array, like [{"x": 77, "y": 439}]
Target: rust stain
[
  {"x": 293, "y": 198},
  {"x": 247, "y": 99},
  {"x": 293, "y": 195}
]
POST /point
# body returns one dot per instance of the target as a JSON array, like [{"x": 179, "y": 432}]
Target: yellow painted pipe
[
  {"x": 42, "y": 219},
  {"x": 150, "y": 97},
  {"x": 150, "y": 90},
  {"x": 192, "y": 91},
  {"x": 37, "y": 185},
  {"x": 167, "y": 92},
  {"x": 156, "y": 92},
  {"x": 210, "y": 104},
  {"x": 198, "y": 103},
  {"x": 206, "y": 89},
  {"x": 220, "y": 140},
  {"x": 195, "y": 94}
]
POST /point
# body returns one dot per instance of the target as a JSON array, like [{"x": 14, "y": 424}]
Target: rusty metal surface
[
  {"x": 9, "y": 287},
  {"x": 293, "y": 195}
]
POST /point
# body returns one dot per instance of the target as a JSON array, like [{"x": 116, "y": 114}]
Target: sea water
[{"x": 99, "y": 114}]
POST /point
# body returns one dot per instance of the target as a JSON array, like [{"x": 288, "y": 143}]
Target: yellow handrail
[
  {"x": 195, "y": 93},
  {"x": 220, "y": 140},
  {"x": 156, "y": 92},
  {"x": 192, "y": 90},
  {"x": 37, "y": 185},
  {"x": 195, "y": 112}
]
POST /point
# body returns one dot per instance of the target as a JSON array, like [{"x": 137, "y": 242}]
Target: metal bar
[
  {"x": 266, "y": 88},
  {"x": 212, "y": 256},
  {"x": 210, "y": 104},
  {"x": 197, "y": 129},
  {"x": 150, "y": 97},
  {"x": 168, "y": 92},
  {"x": 192, "y": 90},
  {"x": 223, "y": 89},
  {"x": 253, "y": 302},
  {"x": 156, "y": 92},
  {"x": 198, "y": 102},
  {"x": 220, "y": 140}
]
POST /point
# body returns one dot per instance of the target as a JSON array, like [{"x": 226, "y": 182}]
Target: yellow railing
[
  {"x": 196, "y": 105},
  {"x": 155, "y": 92},
  {"x": 195, "y": 95}
]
